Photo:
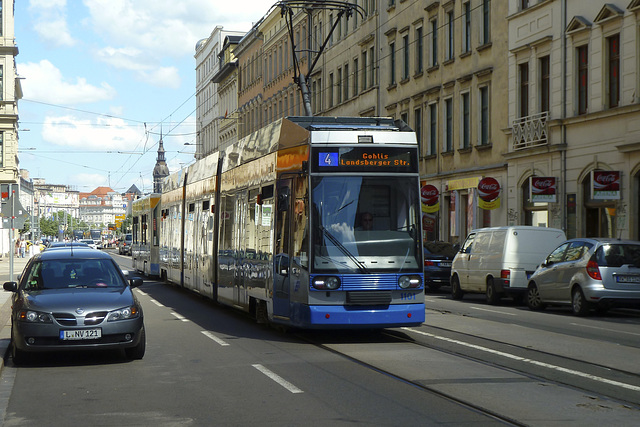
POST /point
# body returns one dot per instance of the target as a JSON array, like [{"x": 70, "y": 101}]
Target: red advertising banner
[
  {"x": 489, "y": 193},
  {"x": 542, "y": 189},
  {"x": 605, "y": 185}
]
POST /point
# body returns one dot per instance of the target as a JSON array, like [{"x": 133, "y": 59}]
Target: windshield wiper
[{"x": 345, "y": 251}]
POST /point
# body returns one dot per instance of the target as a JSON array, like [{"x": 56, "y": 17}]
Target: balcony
[{"x": 530, "y": 131}]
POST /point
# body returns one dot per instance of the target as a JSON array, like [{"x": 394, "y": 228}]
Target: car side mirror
[
  {"x": 135, "y": 282},
  {"x": 10, "y": 286}
]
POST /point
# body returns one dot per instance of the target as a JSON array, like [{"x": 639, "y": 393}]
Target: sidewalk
[{"x": 5, "y": 302}]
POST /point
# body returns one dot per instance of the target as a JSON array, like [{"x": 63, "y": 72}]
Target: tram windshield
[{"x": 365, "y": 224}]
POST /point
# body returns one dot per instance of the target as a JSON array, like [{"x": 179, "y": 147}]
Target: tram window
[
  {"x": 192, "y": 207},
  {"x": 205, "y": 206}
]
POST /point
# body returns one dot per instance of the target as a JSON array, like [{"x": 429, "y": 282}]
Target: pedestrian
[
  {"x": 23, "y": 248},
  {"x": 17, "y": 248}
]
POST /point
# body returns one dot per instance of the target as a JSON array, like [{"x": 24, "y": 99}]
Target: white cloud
[
  {"x": 44, "y": 82},
  {"x": 132, "y": 59},
  {"x": 102, "y": 134},
  {"x": 50, "y": 22}
]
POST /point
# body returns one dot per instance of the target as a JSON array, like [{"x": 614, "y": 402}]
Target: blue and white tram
[
  {"x": 145, "y": 234},
  {"x": 315, "y": 222}
]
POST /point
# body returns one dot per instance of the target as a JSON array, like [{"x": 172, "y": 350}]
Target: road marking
[
  {"x": 141, "y": 292},
  {"x": 605, "y": 329},
  {"x": 493, "y": 311},
  {"x": 179, "y": 316},
  {"x": 159, "y": 304},
  {"x": 530, "y": 361},
  {"x": 284, "y": 383},
  {"x": 215, "y": 338}
]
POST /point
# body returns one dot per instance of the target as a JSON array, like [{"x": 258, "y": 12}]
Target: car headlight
[
  {"x": 123, "y": 314},
  {"x": 406, "y": 282},
  {"x": 326, "y": 283},
  {"x": 34, "y": 317}
]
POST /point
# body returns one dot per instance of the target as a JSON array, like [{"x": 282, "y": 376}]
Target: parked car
[
  {"x": 124, "y": 245},
  {"x": 89, "y": 243},
  {"x": 437, "y": 263},
  {"x": 75, "y": 299},
  {"x": 498, "y": 261},
  {"x": 587, "y": 273}
]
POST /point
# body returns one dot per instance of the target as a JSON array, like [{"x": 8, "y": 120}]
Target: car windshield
[
  {"x": 617, "y": 255},
  {"x": 73, "y": 273},
  {"x": 365, "y": 224}
]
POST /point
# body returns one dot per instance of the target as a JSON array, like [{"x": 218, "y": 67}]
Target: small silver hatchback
[{"x": 588, "y": 273}]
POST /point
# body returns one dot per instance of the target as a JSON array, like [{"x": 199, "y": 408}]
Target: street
[{"x": 469, "y": 363}]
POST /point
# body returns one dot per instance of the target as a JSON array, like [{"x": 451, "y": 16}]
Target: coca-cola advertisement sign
[
  {"x": 543, "y": 189},
  {"x": 429, "y": 194},
  {"x": 430, "y": 197},
  {"x": 488, "y": 189},
  {"x": 605, "y": 185}
]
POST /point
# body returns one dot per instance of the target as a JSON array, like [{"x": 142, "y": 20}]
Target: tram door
[{"x": 281, "y": 281}]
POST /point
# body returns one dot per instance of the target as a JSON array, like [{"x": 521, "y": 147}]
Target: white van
[{"x": 498, "y": 261}]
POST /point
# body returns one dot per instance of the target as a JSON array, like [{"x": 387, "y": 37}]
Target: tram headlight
[
  {"x": 408, "y": 282},
  {"x": 326, "y": 283}
]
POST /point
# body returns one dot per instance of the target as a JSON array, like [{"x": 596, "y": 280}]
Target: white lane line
[
  {"x": 141, "y": 292},
  {"x": 284, "y": 383},
  {"x": 179, "y": 317},
  {"x": 530, "y": 361},
  {"x": 159, "y": 304},
  {"x": 492, "y": 311},
  {"x": 604, "y": 329},
  {"x": 215, "y": 338}
]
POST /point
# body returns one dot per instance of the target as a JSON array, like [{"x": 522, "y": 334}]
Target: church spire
[{"x": 161, "y": 170}]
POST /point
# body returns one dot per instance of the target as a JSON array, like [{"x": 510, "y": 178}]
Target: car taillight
[
  {"x": 428, "y": 263},
  {"x": 593, "y": 271},
  {"x": 505, "y": 274}
]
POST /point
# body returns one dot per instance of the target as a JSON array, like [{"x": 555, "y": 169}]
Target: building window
[
  {"x": 330, "y": 90},
  {"x": 545, "y": 80},
  {"x": 346, "y": 82},
  {"x": 433, "y": 128},
  {"x": 356, "y": 71},
  {"x": 466, "y": 120},
  {"x": 583, "y": 78},
  {"x": 523, "y": 71},
  {"x": 1, "y": 149},
  {"x": 448, "y": 124},
  {"x": 484, "y": 115},
  {"x": 434, "y": 42},
  {"x": 405, "y": 58},
  {"x": 450, "y": 29},
  {"x": 419, "y": 48},
  {"x": 364, "y": 70},
  {"x": 524, "y": 4},
  {"x": 392, "y": 63},
  {"x": 467, "y": 27},
  {"x": 372, "y": 65},
  {"x": 613, "y": 44},
  {"x": 417, "y": 125},
  {"x": 486, "y": 21},
  {"x": 339, "y": 85}
]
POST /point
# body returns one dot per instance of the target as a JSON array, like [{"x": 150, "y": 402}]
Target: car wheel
[
  {"x": 579, "y": 305},
  {"x": 492, "y": 295},
  {"x": 456, "y": 292},
  {"x": 534, "y": 302},
  {"x": 137, "y": 352}
]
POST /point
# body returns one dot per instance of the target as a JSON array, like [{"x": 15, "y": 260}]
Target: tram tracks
[{"x": 589, "y": 387}]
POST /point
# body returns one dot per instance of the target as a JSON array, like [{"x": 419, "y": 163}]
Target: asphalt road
[{"x": 212, "y": 365}]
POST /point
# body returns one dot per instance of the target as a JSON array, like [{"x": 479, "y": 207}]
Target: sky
[{"x": 103, "y": 79}]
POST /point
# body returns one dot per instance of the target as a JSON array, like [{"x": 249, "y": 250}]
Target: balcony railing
[{"x": 530, "y": 131}]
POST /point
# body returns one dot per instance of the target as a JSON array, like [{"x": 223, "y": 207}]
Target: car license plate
[
  {"x": 445, "y": 264},
  {"x": 80, "y": 334},
  {"x": 628, "y": 279}
]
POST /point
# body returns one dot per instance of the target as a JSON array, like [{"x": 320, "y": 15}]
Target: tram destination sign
[{"x": 365, "y": 159}]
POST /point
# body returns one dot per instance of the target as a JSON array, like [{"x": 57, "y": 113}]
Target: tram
[
  {"x": 310, "y": 222},
  {"x": 145, "y": 235}
]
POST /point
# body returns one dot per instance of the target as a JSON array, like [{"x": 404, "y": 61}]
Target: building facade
[{"x": 525, "y": 110}]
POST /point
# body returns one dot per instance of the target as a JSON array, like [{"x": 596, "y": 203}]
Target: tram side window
[
  {"x": 301, "y": 222},
  {"x": 134, "y": 230},
  {"x": 143, "y": 229}
]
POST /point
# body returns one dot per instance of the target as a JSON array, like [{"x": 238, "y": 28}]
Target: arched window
[{"x": 600, "y": 215}]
